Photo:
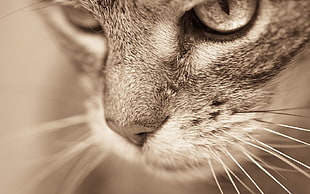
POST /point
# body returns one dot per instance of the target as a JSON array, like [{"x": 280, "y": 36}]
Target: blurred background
[{"x": 36, "y": 85}]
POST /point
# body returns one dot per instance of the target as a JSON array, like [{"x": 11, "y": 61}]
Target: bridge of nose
[{"x": 140, "y": 73}]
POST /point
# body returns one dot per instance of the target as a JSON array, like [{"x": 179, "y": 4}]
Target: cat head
[{"x": 181, "y": 80}]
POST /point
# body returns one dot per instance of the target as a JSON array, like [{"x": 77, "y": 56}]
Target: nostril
[
  {"x": 134, "y": 133},
  {"x": 138, "y": 139}
]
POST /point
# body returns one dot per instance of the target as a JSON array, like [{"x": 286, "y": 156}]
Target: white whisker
[
  {"x": 46, "y": 128},
  {"x": 293, "y": 127},
  {"x": 214, "y": 176},
  {"x": 231, "y": 180},
  {"x": 228, "y": 174},
  {"x": 22, "y": 8},
  {"x": 288, "y": 146},
  {"x": 266, "y": 171},
  {"x": 83, "y": 169},
  {"x": 67, "y": 156},
  {"x": 72, "y": 142},
  {"x": 290, "y": 158},
  {"x": 286, "y": 136},
  {"x": 277, "y": 155},
  {"x": 60, "y": 154},
  {"x": 244, "y": 171},
  {"x": 238, "y": 179},
  {"x": 265, "y": 164}
]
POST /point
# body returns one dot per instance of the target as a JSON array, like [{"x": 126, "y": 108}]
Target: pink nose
[{"x": 134, "y": 133}]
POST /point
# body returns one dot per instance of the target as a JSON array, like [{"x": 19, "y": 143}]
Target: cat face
[{"x": 181, "y": 81}]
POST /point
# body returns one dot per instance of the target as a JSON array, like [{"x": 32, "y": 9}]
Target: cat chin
[{"x": 188, "y": 164}]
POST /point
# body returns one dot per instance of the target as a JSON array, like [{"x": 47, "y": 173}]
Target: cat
[{"x": 194, "y": 96}]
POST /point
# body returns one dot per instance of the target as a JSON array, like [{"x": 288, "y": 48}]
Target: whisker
[
  {"x": 288, "y": 146},
  {"x": 67, "y": 177},
  {"x": 231, "y": 180},
  {"x": 265, "y": 164},
  {"x": 43, "y": 7},
  {"x": 46, "y": 128},
  {"x": 289, "y": 157},
  {"x": 286, "y": 136},
  {"x": 22, "y": 8},
  {"x": 25, "y": 88},
  {"x": 271, "y": 112},
  {"x": 265, "y": 171},
  {"x": 214, "y": 176},
  {"x": 57, "y": 155},
  {"x": 284, "y": 125},
  {"x": 284, "y": 109},
  {"x": 243, "y": 170},
  {"x": 68, "y": 155},
  {"x": 84, "y": 167},
  {"x": 278, "y": 156},
  {"x": 243, "y": 184},
  {"x": 293, "y": 127},
  {"x": 228, "y": 174}
]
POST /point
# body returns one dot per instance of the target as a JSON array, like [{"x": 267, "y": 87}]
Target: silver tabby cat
[{"x": 191, "y": 96}]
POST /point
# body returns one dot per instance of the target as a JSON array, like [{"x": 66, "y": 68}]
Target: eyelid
[{"x": 82, "y": 19}]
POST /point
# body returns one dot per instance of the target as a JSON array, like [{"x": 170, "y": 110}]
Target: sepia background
[{"x": 36, "y": 85}]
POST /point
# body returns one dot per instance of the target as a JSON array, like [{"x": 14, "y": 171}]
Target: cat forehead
[{"x": 94, "y": 5}]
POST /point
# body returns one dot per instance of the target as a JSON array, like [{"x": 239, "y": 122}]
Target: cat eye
[
  {"x": 82, "y": 19},
  {"x": 226, "y": 16}
]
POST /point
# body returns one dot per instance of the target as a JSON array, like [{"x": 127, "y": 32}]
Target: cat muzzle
[{"x": 134, "y": 133}]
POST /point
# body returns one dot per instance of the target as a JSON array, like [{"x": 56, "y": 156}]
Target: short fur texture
[{"x": 204, "y": 96}]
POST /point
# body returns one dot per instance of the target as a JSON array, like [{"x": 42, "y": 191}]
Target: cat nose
[{"x": 134, "y": 133}]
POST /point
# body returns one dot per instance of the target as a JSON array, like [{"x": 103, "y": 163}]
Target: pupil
[{"x": 225, "y": 6}]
